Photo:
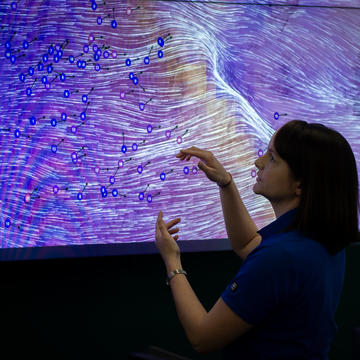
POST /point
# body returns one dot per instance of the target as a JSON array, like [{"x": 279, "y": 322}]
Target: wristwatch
[{"x": 173, "y": 273}]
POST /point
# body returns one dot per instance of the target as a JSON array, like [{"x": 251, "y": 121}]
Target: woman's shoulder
[{"x": 294, "y": 246}]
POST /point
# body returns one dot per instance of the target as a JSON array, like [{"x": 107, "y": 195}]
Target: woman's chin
[{"x": 255, "y": 188}]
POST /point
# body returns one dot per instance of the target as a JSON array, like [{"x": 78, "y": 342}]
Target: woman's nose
[{"x": 258, "y": 163}]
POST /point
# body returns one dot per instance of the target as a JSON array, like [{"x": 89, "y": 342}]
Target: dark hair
[{"x": 322, "y": 159}]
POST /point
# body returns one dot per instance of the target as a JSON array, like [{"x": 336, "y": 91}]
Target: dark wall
[{"x": 107, "y": 307}]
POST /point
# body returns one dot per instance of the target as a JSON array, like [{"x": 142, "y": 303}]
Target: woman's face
[{"x": 275, "y": 181}]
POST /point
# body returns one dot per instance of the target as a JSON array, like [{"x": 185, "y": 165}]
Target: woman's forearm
[
  {"x": 188, "y": 307},
  {"x": 240, "y": 227}
]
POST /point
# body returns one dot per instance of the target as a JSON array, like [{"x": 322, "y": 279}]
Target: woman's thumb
[{"x": 202, "y": 167}]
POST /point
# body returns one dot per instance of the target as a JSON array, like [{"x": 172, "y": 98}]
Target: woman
[{"x": 282, "y": 302}]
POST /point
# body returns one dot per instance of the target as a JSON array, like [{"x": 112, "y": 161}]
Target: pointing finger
[{"x": 194, "y": 151}]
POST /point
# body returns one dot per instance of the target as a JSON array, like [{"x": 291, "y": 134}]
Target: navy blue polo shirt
[{"x": 288, "y": 288}]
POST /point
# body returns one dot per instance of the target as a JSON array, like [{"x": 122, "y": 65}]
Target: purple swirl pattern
[{"x": 97, "y": 98}]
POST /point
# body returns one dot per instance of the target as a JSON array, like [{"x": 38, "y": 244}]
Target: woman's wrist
[
  {"x": 172, "y": 265},
  {"x": 226, "y": 183}
]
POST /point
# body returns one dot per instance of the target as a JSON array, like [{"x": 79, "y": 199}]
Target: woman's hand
[
  {"x": 166, "y": 244},
  {"x": 209, "y": 165}
]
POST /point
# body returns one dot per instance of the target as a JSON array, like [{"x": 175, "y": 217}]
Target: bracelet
[
  {"x": 225, "y": 185},
  {"x": 173, "y": 273}
]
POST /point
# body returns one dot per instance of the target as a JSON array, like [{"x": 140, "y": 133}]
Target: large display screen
[{"x": 97, "y": 97}]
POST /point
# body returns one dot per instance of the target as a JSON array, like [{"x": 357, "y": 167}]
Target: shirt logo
[{"x": 233, "y": 286}]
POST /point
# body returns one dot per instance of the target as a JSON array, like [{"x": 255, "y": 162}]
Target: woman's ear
[{"x": 298, "y": 188}]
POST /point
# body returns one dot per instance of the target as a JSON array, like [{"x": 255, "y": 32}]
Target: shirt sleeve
[{"x": 262, "y": 284}]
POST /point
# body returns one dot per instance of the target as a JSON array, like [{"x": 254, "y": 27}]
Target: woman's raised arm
[{"x": 240, "y": 228}]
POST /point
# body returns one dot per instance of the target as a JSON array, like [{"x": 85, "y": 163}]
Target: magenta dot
[
  {"x": 73, "y": 129},
  {"x": 55, "y": 189},
  {"x": 194, "y": 170},
  {"x": 91, "y": 38},
  {"x": 122, "y": 95},
  {"x": 260, "y": 153},
  {"x": 27, "y": 198},
  {"x": 97, "y": 170},
  {"x": 168, "y": 134},
  {"x": 48, "y": 86},
  {"x": 121, "y": 163},
  {"x": 253, "y": 173},
  {"x": 128, "y": 11},
  {"x": 179, "y": 140},
  {"x": 114, "y": 54}
]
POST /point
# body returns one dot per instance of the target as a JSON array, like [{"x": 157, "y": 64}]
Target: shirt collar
[{"x": 278, "y": 225}]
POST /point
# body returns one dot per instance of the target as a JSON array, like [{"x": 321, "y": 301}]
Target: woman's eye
[{"x": 271, "y": 157}]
